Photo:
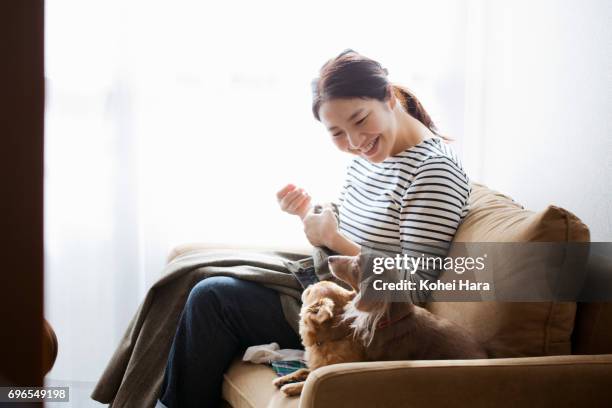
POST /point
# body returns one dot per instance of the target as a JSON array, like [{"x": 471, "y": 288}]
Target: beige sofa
[{"x": 544, "y": 353}]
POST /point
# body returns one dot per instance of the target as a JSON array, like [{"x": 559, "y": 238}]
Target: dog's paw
[
  {"x": 280, "y": 381},
  {"x": 293, "y": 389},
  {"x": 299, "y": 375}
]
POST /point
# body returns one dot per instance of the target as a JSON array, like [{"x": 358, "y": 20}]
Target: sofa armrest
[
  {"x": 199, "y": 246},
  {"x": 554, "y": 381}
]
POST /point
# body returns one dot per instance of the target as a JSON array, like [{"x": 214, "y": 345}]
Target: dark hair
[{"x": 352, "y": 75}]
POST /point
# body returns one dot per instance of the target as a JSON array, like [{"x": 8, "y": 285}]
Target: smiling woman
[{"x": 406, "y": 191}]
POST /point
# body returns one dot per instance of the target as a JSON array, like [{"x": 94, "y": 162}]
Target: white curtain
[{"x": 174, "y": 122}]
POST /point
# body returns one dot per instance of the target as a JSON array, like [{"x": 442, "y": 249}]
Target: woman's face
[{"x": 364, "y": 127}]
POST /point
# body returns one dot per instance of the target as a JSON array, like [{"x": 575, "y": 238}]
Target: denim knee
[
  {"x": 207, "y": 293},
  {"x": 204, "y": 292}
]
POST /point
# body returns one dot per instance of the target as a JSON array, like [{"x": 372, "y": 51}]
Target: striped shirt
[{"x": 411, "y": 203}]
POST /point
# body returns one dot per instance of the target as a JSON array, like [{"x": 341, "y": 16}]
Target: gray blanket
[{"x": 134, "y": 375}]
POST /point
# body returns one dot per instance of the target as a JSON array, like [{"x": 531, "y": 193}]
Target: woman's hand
[
  {"x": 294, "y": 200},
  {"x": 321, "y": 229}
]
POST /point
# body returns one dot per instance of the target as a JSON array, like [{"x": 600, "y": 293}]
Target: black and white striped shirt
[{"x": 411, "y": 203}]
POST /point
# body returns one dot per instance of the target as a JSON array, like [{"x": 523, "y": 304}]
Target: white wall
[{"x": 544, "y": 104}]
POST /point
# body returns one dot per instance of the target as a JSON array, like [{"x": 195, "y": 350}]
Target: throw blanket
[{"x": 134, "y": 375}]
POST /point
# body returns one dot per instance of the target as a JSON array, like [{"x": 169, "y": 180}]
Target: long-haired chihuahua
[
  {"x": 389, "y": 325},
  {"x": 339, "y": 325}
]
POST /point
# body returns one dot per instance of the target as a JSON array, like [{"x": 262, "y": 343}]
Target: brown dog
[
  {"x": 341, "y": 326},
  {"x": 397, "y": 330},
  {"x": 326, "y": 336}
]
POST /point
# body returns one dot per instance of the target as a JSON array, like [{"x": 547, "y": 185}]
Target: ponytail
[{"x": 412, "y": 105}]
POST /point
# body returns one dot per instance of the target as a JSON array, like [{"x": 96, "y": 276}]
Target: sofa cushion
[
  {"x": 513, "y": 329},
  {"x": 248, "y": 385},
  {"x": 495, "y": 217},
  {"x": 593, "y": 331}
]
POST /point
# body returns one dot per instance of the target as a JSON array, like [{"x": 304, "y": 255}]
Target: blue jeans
[{"x": 221, "y": 318}]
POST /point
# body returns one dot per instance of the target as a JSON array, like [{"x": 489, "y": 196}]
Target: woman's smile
[{"x": 371, "y": 148}]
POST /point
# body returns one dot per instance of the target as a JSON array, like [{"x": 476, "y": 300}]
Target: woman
[{"x": 405, "y": 191}]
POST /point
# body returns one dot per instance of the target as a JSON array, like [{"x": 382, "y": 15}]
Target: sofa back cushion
[{"x": 513, "y": 329}]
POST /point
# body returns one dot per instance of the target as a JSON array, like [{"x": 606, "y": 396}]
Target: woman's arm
[
  {"x": 342, "y": 245},
  {"x": 321, "y": 229}
]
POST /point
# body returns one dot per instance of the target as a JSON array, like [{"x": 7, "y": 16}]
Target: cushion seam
[
  {"x": 522, "y": 365},
  {"x": 547, "y": 342}
]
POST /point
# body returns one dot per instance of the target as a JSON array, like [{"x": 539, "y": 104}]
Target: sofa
[{"x": 544, "y": 353}]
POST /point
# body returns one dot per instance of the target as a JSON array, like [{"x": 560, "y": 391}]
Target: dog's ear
[
  {"x": 321, "y": 311},
  {"x": 345, "y": 268}
]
